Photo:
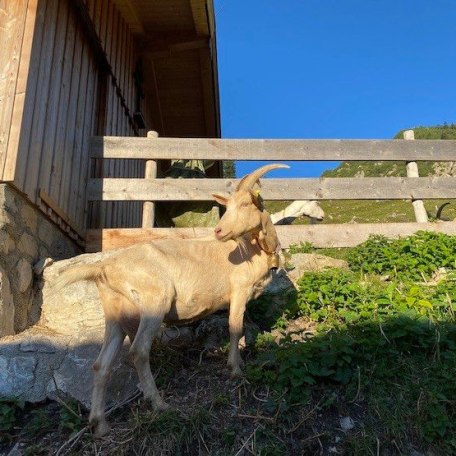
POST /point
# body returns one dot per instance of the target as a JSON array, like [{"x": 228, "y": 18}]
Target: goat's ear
[
  {"x": 221, "y": 199},
  {"x": 257, "y": 199},
  {"x": 268, "y": 236},
  {"x": 265, "y": 223}
]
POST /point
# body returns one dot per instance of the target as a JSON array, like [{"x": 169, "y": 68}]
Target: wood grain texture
[
  {"x": 412, "y": 171},
  {"x": 13, "y": 159},
  {"x": 370, "y": 188},
  {"x": 12, "y": 25},
  {"x": 320, "y": 236},
  {"x": 274, "y": 149}
]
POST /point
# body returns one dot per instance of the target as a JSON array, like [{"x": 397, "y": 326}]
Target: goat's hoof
[
  {"x": 236, "y": 372},
  {"x": 100, "y": 428},
  {"x": 160, "y": 405},
  {"x": 157, "y": 403}
]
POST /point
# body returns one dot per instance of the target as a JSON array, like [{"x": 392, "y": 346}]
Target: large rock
[
  {"x": 285, "y": 281},
  {"x": 54, "y": 357},
  {"x": 40, "y": 364},
  {"x": 306, "y": 262}
]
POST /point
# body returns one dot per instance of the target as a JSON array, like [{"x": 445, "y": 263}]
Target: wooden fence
[{"x": 150, "y": 189}]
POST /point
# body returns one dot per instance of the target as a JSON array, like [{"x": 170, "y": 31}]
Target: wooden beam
[
  {"x": 207, "y": 89},
  {"x": 47, "y": 204},
  {"x": 320, "y": 236},
  {"x": 154, "y": 98},
  {"x": 274, "y": 149},
  {"x": 176, "y": 48},
  {"x": 150, "y": 172},
  {"x": 412, "y": 171},
  {"x": 367, "y": 188},
  {"x": 200, "y": 18},
  {"x": 130, "y": 15}
]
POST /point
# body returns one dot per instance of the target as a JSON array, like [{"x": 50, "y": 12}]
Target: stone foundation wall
[{"x": 26, "y": 236}]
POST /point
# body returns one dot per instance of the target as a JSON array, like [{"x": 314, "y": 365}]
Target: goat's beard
[{"x": 242, "y": 245}]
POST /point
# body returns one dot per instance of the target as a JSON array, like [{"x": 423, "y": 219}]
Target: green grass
[
  {"x": 376, "y": 343},
  {"x": 367, "y": 211},
  {"x": 386, "y": 345}
]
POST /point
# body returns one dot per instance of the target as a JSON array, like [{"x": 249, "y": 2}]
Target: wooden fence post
[
  {"x": 148, "y": 217},
  {"x": 412, "y": 171}
]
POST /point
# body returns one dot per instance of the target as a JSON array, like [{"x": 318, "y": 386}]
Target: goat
[
  {"x": 296, "y": 209},
  {"x": 178, "y": 281}
]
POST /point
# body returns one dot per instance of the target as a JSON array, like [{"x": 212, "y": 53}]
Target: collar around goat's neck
[{"x": 273, "y": 257}]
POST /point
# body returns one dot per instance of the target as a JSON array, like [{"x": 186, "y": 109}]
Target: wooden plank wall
[
  {"x": 118, "y": 45},
  {"x": 17, "y": 21},
  {"x": 64, "y": 106}
]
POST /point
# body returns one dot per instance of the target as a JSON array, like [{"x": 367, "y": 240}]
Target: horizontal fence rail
[
  {"x": 151, "y": 189},
  {"x": 367, "y": 188},
  {"x": 273, "y": 149},
  {"x": 335, "y": 235}
]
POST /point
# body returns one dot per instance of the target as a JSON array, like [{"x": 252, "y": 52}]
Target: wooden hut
[{"x": 72, "y": 69}]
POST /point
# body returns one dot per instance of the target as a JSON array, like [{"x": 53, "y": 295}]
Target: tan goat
[{"x": 177, "y": 281}]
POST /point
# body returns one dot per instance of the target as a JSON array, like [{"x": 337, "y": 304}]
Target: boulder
[
  {"x": 306, "y": 262},
  {"x": 54, "y": 357}
]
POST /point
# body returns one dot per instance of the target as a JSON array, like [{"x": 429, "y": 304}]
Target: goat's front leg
[{"x": 236, "y": 322}]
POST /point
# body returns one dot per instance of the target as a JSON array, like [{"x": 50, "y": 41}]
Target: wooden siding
[
  {"x": 17, "y": 20},
  {"x": 71, "y": 95}
]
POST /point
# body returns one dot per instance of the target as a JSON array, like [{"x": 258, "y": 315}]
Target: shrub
[{"x": 416, "y": 257}]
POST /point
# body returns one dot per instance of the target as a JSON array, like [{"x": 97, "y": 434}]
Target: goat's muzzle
[{"x": 221, "y": 236}]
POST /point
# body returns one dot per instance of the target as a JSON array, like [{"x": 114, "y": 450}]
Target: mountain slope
[{"x": 380, "y": 169}]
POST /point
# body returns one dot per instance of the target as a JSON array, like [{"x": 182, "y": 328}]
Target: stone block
[
  {"x": 6, "y": 306},
  {"x": 28, "y": 246},
  {"x": 24, "y": 275},
  {"x": 46, "y": 232},
  {"x": 29, "y": 217},
  {"x": 7, "y": 243}
]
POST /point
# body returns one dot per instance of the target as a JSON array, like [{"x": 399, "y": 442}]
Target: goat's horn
[{"x": 247, "y": 182}]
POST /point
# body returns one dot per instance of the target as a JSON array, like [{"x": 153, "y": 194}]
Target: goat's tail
[{"x": 77, "y": 273}]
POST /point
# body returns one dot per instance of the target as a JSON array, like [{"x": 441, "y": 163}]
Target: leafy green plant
[
  {"x": 302, "y": 247},
  {"x": 39, "y": 423},
  {"x": 385, "y": 331},
  {"x": 71, "y": 418},
  {"x": 413, "y": 258},
  {"x": 9, "y": 410}
]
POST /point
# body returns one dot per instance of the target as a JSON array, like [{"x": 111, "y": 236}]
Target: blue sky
[{"x": 334, "y": 69}]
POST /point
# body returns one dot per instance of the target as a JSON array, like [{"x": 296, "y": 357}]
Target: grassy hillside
[
  {"x": 366, "y": 211},
  {"x": 380, "y": 169}
]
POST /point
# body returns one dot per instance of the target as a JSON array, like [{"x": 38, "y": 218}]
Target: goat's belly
[{"x": 194, "y": 308}]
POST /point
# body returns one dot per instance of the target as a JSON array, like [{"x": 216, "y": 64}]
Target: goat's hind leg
[
  {"x": 140, "y": 351},
  {"x": 113, "y": 339}
]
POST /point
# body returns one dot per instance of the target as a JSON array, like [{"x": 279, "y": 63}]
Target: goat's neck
[{"x": 251, "y": 243}]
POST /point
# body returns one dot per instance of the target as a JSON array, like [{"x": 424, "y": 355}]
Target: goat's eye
[{"x": 245, "y": 204}]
